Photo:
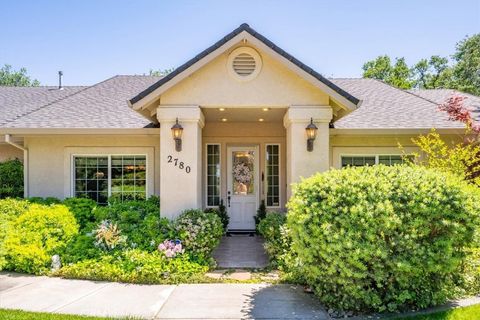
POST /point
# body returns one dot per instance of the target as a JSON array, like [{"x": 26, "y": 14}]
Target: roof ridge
[
  {"x": 17, "y": 117},
  {"x": 403, "y": 90}
]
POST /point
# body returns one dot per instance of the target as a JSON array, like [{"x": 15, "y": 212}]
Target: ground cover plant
[
  {"x": 124, "y": 241},
  {"x": 384, "y": 238}
]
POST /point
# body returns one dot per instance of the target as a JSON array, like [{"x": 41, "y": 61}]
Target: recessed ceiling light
[
  {"x": 224, "y": 119},
  {"x": 221, "y": 109},
  {"x": 266, "y": 109},
  {"x": 261, "y": 119}
]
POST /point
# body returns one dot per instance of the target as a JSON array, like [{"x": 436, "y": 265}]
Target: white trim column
[
  {"x": 300, "y": 162},
  {"x": 180, "y": 172}
]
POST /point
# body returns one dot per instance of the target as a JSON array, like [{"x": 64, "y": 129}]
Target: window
[
  {"x": 213, "y": 175},
  {"x": 98, "y": 177},
  {"x": 370, "y": 160},
  {"x": 272, "y": 186}
]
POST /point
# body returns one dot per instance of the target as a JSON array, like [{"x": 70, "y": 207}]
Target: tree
[
  {"x": 160, "y": 73},
  {"x": 432, "y": 73},
  {"x": 381, "y": 68},
  {"x": 16, "y": 78},
  {"x": 466, "y": 72}
]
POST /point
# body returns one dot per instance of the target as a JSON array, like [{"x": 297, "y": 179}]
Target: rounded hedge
[{"x": 383, "y": 238}]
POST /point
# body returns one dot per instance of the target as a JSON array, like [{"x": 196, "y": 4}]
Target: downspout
[{"x": 8, "y": 140}]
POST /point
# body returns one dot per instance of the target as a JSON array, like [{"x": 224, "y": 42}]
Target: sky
[{"x": 91, "y": 40}]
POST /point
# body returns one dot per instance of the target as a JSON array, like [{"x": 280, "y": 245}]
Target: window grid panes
[
  {"x": 273, "y": 175},
  {"x": 213, "y": 175},
  {"x": 91, "y": 178},
  {"x": 122, "y": 177},
  {"x": 359, "y": 161},
  {"x": 128, "y": 177}
]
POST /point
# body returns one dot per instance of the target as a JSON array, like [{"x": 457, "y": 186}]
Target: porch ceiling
[{"x": 244, "y": 114}]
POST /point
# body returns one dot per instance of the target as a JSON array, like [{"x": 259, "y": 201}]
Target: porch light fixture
[
  {"x": 311, "y": 130},
  {"x": 177, "y": 131}
]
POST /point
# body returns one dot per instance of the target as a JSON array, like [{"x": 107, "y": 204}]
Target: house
[{"x": 239, "y": 122}]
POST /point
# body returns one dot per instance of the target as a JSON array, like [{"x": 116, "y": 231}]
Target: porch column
[
  {"x": 180, "y": 172},
  {"x": 300, "y": 162}
]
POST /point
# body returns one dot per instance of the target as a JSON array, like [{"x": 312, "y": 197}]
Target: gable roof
[
  {"x": 244, "y": 28},
  {"x": 387, "y": 107},
  {"x": 16, "y": 102},
  {"x": 102, "y": 106},
  {"x": 439, "y": 96}
]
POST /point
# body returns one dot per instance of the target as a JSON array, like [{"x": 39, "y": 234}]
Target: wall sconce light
[
  {"x": 177, "y": 131},
  {"x": 311, "y": 130}
]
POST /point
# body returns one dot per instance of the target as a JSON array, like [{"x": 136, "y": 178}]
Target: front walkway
[
  {"x": 241, "y": 251},
  {"x": 195, "y": 301}
]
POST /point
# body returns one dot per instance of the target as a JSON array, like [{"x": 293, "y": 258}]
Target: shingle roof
[
  {"x": 386, "y": 107},
  {"x": 103, "y": 105},
  {"x": 441, "y": 95},
  {"x": 19, "y": 101},
  {"x": 245, "y": 27}
]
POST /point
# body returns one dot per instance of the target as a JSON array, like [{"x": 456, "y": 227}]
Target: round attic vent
[{"x": 244, "y": 63}]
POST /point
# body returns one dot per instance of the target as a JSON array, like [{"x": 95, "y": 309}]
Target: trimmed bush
[
  {"x": 83, "y": 210},
  {"x": 10, "y": 209},
  {"x": 221, "y": 212},
  {"x": 37, "y": 234},
  {"x": 137, "y": 266},
  {"x": 11, "y": 179},
  {"x": 383, "y": 238},
  {"x": 277, "y": 242},
  {"x": 199, "y": 231}
]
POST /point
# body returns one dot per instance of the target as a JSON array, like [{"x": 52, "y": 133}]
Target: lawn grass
[
  {"x": 465, "y": 313},
  {"x": 6, "y": 314}
]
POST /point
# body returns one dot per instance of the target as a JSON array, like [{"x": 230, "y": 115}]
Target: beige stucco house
[{"x": 244, "y": 106}]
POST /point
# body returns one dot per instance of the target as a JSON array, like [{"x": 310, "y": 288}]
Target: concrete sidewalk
[{"x": 195, "y": 301}]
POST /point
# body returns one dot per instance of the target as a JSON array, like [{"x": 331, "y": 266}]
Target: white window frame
[
  {"x": 109, "y": 180},
  {"x": 280, "y": 176},
  {"x": 376, "y": 155},
  {"x": 206, "y": 172}
]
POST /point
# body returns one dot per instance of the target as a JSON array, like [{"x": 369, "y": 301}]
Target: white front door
[{"x": 242, "y": 187}]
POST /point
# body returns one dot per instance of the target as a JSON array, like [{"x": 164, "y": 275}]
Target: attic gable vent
[{"x": 244, "y": 64}]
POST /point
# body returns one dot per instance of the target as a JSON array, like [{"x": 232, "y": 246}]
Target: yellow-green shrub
[
  {"x": 37, "y": 234},
  {"x": 383, "y": 238}
]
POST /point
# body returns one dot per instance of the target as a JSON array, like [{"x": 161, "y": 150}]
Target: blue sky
[{"x": 91, "y": 40}]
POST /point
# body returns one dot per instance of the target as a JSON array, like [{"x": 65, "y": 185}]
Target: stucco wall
[
  {"x": 275, "y": 86},
  {"x": 245, "y": 134},
  {"x": 8, "y": 152},
  {"x": 50, "y": 158}
]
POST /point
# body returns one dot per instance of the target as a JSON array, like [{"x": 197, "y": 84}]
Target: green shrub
[
  {"x": 83, "y": 210},
  {"x": 81, "y": 247},
  {"x": 10, "y": 209},
  {"x": 277, "y": 242},
  {"x": 383, "y": 238},
  {"x": 261, "y": 213},
  {"x": 137, "y": 266},
  {"x": 37, "y": 234},
  {"x": 199, "y": 231},
  {"x": 221, "y": 212},
  {"x": 11, "y": 179},
  {"x": 46, "y": 201},
  {"x": 139, "y": 221}
]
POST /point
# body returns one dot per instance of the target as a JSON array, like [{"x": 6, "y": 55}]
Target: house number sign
[{"x": 179, "y": 164}]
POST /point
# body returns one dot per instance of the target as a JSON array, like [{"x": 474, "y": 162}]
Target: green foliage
[
  {"x": 466, "y": 75},
  {"x": 277, "y": 239},
  {"x": 221, "y": 212},
  {"x": 383, "y": 238},
  {"x": 10, "y": 209},
  {"x": 137, "y": 266},
  {"x": 138, "y": 220},
  {"x": 83, "y": 210},
  {"x": 45, "y": 201},
  {"x": 432, "y": 73},
  {"x": 81, "y": 247},
  {"x": 199, "y": 231},
  {"x": 160, "y": 73},
  {"x": 459, "y": 158},
  {"x": 37, "y": 234},
  {"x": 397, "y": 75},
  {"x": 261, "y": 213},
  {"x": 16, "y": 78},
  {"x": 108, "y": 237},
  {"x": 11, "y": 179},
  {"x": 9, "y": 314}
]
